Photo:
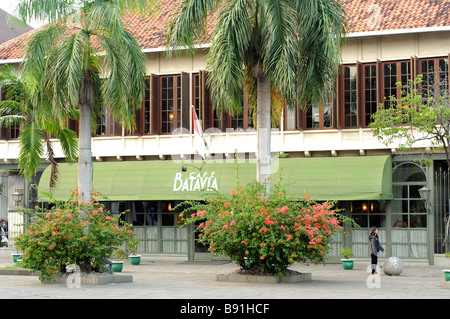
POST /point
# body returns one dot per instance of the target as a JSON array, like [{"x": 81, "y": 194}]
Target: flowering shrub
[
  {"x": 72, "y": 232},
  {"x": 265, "y": 234}
]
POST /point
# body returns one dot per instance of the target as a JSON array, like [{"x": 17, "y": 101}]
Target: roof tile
[{"x": 363, "y": 16}]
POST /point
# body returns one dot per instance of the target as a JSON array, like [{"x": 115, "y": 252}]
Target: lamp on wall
[
  {"x": 424, "y": 193},
  {"x": 17, "y": 196}
]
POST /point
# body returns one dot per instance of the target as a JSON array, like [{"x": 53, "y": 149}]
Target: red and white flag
[{"x": 199, "y": 142}]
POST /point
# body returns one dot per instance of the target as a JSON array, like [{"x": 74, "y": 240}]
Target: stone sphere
[{"x": 393, "y": 266}]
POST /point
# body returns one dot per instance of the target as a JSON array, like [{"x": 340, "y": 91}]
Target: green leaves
[
  {"x": 28, "y": 108},
  {"x": 413, "y": 119},
  {"x": 63, "y": 235},
  {"x": 265, "y": 234},
  {"x": 31, "y": 148},
  {"x": 296, "y": 44},
  {"x": 94, "y": 41}
]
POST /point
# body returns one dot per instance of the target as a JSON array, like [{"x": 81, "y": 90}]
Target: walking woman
[{"x": 375, "y": 247}]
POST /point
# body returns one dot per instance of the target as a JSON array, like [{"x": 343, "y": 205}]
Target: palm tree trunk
[
  {"x": 86, "y": 99},
  {"x": 84, "y": 157},
  {"x": 263, "y": 128}
]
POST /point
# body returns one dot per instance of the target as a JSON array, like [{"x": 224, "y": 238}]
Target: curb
[
  {"x": 264, "y": 279},
  {"x": 17, "y": 272},
  {"x": 84, "y": 279},
  {"x": 76, "y": 279}
]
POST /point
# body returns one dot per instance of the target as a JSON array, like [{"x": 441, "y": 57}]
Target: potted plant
[
  {"x": 16, "y": 257},
  {"x": 132, "y": 246},
  {"x": 347, "y": 261},
  {"x": 118, "y": 256},
  {"x": 446, "y": 274},
  {"x": 447, "y": 271}
]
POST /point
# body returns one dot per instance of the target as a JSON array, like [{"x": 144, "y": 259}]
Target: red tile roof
[
  {"x": 380, "y": 15},
  {"x": 363, "y": 16}
]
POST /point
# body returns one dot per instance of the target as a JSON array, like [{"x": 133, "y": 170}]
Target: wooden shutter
[
  {"x": 415, "y": 70},
  {"x": 118, "y": 128},
  {"x": 301, "y": 117},
  {"x": 334, "y": 109},
  {"x": 340, "y": 97},
  {"x": 155, "y": 106},
  {"x": 139, "y": 129},
  {"x": 205, "y": 101},
  {"x": 380, "y": 90},
  {"x": 359, "y": 93},
  {"x": 73, "y": 125},
  {"x": 338, "y": 102},
  {"x": 140, "y": 114},
  {"x": 185, "y": 105}
]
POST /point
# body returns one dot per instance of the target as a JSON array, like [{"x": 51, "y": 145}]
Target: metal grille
[{"x": 441, "y": 205}]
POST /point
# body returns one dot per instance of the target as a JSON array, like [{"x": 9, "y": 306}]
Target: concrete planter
[
  {"x": 90, "y": 279},
  {"x": 18, "y": 272},
  {"x": 68, "y": 279},
  {"x": 234, "y": 277},
  {"x": 441, "y": 261}
]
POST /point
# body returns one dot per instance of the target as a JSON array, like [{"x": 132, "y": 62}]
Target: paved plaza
[
  {"x": 159, "y": 277},
  {"x": 181, "y": 288}
]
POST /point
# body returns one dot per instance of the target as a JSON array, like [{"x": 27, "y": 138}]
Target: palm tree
[
  {"x": 87, "y": 59},
  {"x": 291, "y": 47},
  {"x": 25, "y": 108}
]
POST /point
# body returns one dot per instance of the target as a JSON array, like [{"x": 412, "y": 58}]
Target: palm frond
[
  {"x": 104, "y": 18},
  {"x": 188, "y": 24},
  {"x": 31, "y": 149},
  {"x": 11, "y": 107},
  {"x": 11, "y": 120},
  {"x": 74, "y": 57},
  {"x": 67, "y": 138},
  {"x": 279, "y": 46},
  {"x": 321, "y": 28},
  {"x": 44, "y": 9},
  {"x": 123, "y": 88},
  {"x": 145, "y": 7},
  {"x": 230, "y": 42},
  {"x": 38, "y": 47}
]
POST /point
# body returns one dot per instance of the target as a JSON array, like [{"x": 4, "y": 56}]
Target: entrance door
[
  {"x": 409, "y": 218},
  {"x": 157, "y": 227}
]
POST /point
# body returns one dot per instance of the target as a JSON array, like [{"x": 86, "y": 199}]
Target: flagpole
[
  {"x": 201, "y": 147},
  {"x": 200, "y": 144}
]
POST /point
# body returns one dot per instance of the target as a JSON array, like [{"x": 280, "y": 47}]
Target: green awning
[
  {"x": 334, "y": 178},
  {"x": 340, "y": 178}
]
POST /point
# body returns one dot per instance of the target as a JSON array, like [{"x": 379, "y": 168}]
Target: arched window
[{"x": 409, "y": 214}]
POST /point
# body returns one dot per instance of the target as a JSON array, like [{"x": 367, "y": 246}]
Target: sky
[{"x": 10, "y": 5}]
